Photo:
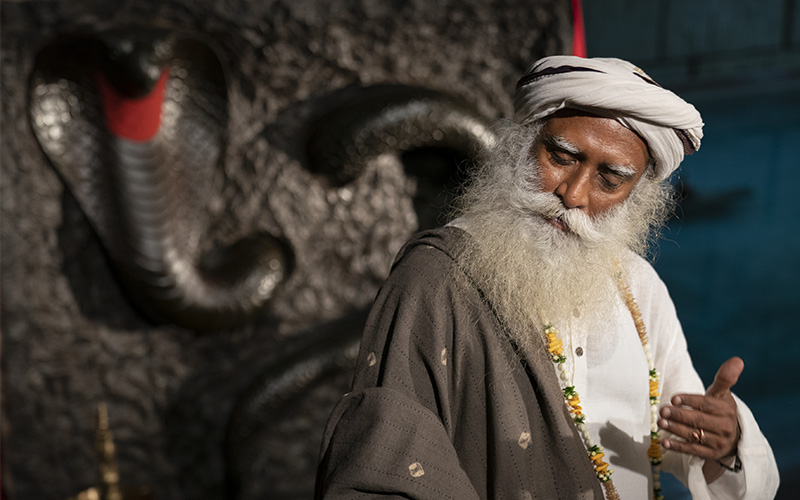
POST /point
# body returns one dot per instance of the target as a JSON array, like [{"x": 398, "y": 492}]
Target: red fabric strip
[{"x": 578, "y": 32}]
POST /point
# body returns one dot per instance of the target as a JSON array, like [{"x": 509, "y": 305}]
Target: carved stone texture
[
  {"x": 72, "y": 337},
  {"x": 134, "y": 121}
]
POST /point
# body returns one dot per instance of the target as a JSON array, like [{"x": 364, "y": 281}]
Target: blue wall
[{"x": 731, "y": 256}]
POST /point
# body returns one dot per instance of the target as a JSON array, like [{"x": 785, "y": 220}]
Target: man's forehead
[
  {"x": 571, "y": 112},
  {"x": 607, "y": 141}
]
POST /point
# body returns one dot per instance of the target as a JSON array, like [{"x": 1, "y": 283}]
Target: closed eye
[
  {"x": 611, "y": 182},
  {"x": 561, "y": 157},
  {"x": 614, "y": 176},
  {"x": 560, "y": 150}
]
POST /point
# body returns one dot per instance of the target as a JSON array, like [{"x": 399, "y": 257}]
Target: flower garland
[{"x": 556, "y": 349}]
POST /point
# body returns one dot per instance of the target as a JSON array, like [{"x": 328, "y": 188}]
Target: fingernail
[
  {"x": 677, "y": 401},
  {"x": 666, "y": 443},
  {"x": 665, "y": 412},
  {"x": 663, "y": 423}
]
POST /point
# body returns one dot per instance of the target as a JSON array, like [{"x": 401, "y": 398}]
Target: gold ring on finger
[{"x": 698, "y": 436}]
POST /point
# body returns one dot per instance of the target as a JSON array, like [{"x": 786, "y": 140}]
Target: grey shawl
[{"x": 442, "y": 405}]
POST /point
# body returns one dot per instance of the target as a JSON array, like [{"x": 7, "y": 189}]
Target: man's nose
[{"x": 574, "y": 190}]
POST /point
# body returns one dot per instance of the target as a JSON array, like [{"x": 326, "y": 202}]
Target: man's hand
[{"x": 708, "y": 423}]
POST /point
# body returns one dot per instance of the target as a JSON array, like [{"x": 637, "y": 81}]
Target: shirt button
[{"x": 579, "y": 351}]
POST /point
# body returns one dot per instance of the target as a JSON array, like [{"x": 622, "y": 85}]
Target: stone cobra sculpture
[{"x": 134, "y": 122}]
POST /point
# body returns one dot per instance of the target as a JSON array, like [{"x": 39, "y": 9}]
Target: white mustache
[{"x": 548, "y": 205}]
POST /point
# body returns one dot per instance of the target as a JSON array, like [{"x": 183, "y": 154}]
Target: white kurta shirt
[{"x": 611, "y": 376}]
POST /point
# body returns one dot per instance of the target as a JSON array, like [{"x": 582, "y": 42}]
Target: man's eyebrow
[
  {"x": 626, "y": 171},
  {"x": 554, "y": 141},
  {"x": 562, "y": 144}
]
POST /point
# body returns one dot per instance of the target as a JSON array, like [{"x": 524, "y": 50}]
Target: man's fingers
[
  {"x": 690, "y": 448},
  {"x": 705, "y": 426},
  {"x": 727, "y": 376}
]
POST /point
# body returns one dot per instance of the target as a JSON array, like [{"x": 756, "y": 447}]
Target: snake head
[{"x": 133, "y": 59}]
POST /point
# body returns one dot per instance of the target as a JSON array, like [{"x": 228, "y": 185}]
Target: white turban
[{"x": 616, "y": 89}]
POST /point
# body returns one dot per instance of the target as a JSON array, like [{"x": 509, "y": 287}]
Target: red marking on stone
[{"x": 135, "y": 119}]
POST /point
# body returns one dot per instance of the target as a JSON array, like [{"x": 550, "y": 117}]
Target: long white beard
[{"x": 531, "y": 271}]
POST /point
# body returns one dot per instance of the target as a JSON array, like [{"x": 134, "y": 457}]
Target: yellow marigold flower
[{"x": 655, "y": 449}]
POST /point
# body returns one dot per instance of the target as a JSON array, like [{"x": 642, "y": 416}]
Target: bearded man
[{"x": 527, "y": 349}]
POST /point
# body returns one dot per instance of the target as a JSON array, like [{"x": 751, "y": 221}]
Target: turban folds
[{"x": 615, "y": 89}]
